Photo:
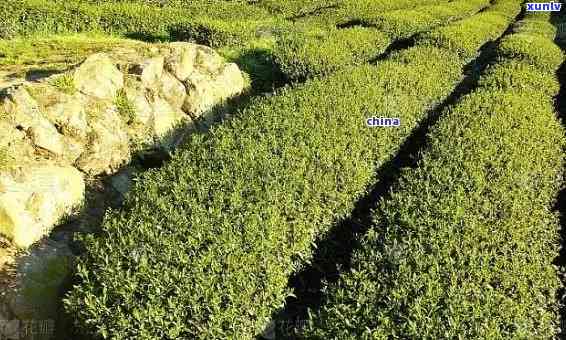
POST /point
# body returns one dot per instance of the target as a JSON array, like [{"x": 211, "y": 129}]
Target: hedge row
[
  {"x": 463, "y": 38},
  {"x": 296, "y": 8},
  {"x": 402, "y": 24},
  {"x": 463, "y": 247},
  {"x": 205, "y": 245},
  {"x": 160, "y": 3},
  {"x": 304, "y": 54},
  {"x": 350, "y": 12},
  {"x": 327, "y": 10},
  {"x": 218, "y": 33},
  {"x": 320, "y": 52},
  {"x": 166, "y": 3},
  {"x": 213, "y": 23},
  {"x": 529, "y": 45}
]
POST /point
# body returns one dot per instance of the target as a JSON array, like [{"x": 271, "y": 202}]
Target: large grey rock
[
  {"x": 207, "y": 60},
  {"x": 15, "y": 148},
  {"x": 24, "y": 113},
  {"x": 88, "y": 130},
  {"x": 17, "y": 100},
  {"x": 10, "y": 134},
  {"x": 68, "y": 111},
  {"x": 33, "y": 199},
  {"x": 108, "y": 144},
  {"x": 74, "y": 148},
  {"x": 232, "y": 80},
  {"x": 97, "y": 76},
  {"x": 172, "y": 90},
  {"x": 45, "y": 136},
  {"x": 166, "y": 119},
  {"x": 204, "y": 91}
]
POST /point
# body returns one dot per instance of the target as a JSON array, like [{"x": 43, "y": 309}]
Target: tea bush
[
  {"x": 530, "y": 48},
  {"x": 351, "y": 12},
  {"x": 518, "y": 74},
  {"x": 402, "y": 24},
  {"x": 463, "y": 247},
  {"x": 222, "y": 23},
  {"x": 304, "y": 54},
  {"x": 297, "y": 9},
  {"x": 219, "y": 229},
  {"x": 204, "y": 246},
  {"x": 463, "y": 37},
  {"x": 217, "y": 33}
]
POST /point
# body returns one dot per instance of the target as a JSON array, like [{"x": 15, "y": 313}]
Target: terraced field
[{"x": 294, "y": 219}]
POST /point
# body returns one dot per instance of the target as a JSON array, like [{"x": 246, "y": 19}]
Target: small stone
[{"x": 122, "y": 183}]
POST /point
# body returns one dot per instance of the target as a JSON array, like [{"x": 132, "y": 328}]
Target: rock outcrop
[
  {"x": 88, "y": 121},
  {"x": 66, "y": 130}
]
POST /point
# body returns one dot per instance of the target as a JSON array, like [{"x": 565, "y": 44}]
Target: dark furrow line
[
  {"x": 405, "y": 43},
  {"x": 333, "y": 254},
  {"x": 397, "y": 45}
]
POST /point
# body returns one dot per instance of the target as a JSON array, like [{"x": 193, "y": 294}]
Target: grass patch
[
  {"x": 65, "y": 83},
  {"x": 125, "y": 107},
  {"x": 50, "y": 53}
]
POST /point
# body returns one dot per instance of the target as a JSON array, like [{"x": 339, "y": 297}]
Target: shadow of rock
[{"x": 39, "y": 74}]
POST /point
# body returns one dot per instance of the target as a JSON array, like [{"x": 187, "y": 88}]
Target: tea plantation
[{"x": 464, "y": 242}]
